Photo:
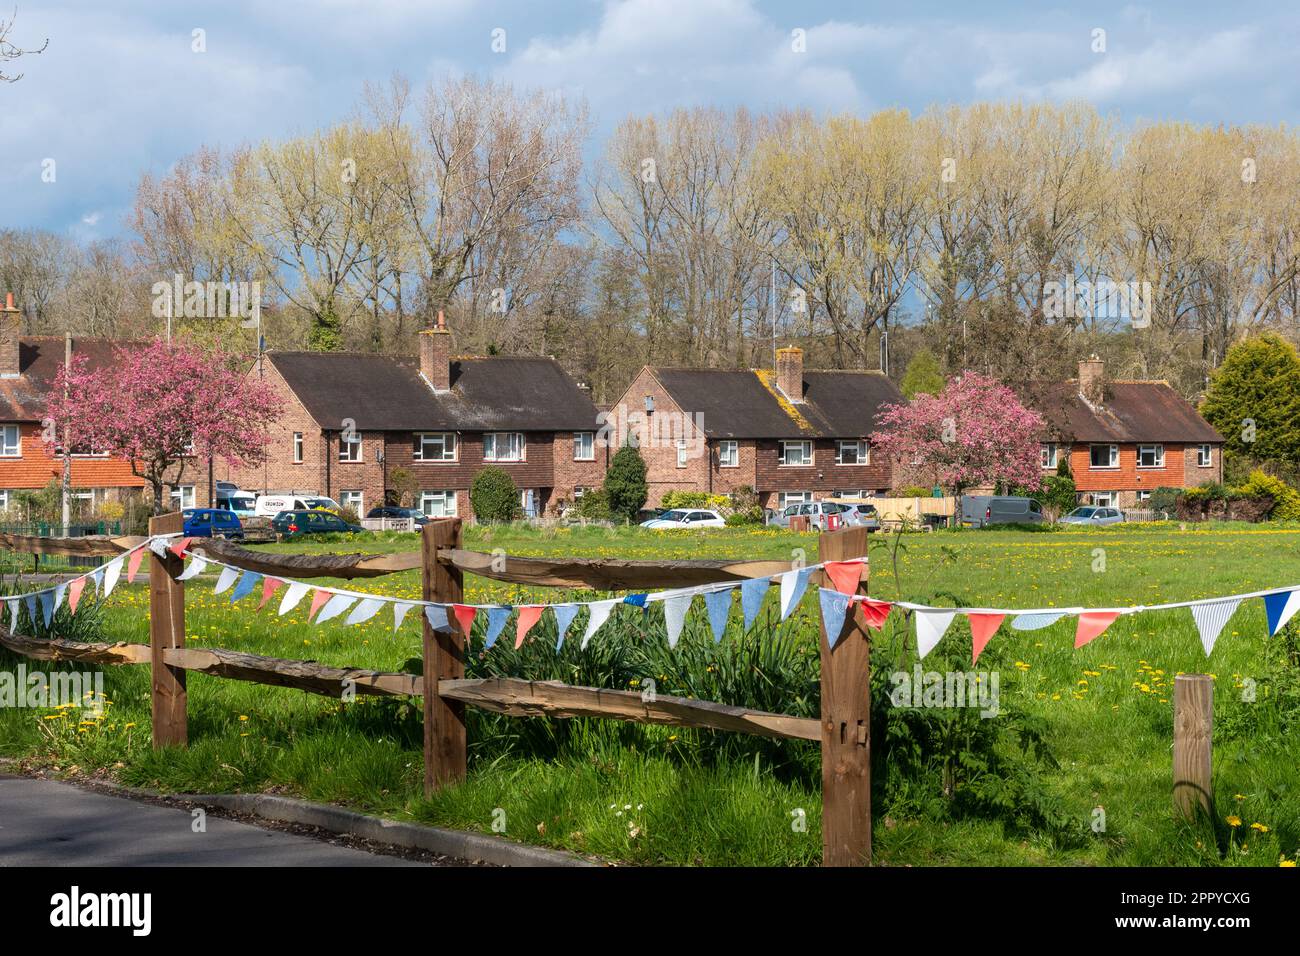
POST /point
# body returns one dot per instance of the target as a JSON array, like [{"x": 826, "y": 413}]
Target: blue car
[{"x": 212, "y": 523}]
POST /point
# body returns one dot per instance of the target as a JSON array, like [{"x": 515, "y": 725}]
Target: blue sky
[{"x": 120, "y": 91}]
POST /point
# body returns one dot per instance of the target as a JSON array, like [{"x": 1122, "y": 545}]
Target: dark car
[
  {"x": 289, "y": 523},
  {"x": 392, "y": 511},
  {"x": 212, "y": 523}
]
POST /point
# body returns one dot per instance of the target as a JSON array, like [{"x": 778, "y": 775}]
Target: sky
[{"x": 123, "y": 89}]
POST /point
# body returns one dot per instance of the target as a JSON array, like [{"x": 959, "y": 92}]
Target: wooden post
[
  {"x": 846, "y": 722},
  {"x": 166, "y": 631},
  {"x": 444, "y": 659},
  {"x": 1193, "y": 741}
]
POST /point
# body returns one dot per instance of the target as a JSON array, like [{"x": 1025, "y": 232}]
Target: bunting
[
  {"x": 718, "y": 606},
  {"x": 564, "y": 615},
  {"x": 437, "y": 617},
  {"x": 751, "y": 598},
  {"x": 133, "y": 565},
  {"x": 1280, "y": 607},
  {"x": 793, "y": 584},
  {"x": 1210, "y": 620},
  {"x": 675, "y": 609},
  {"x": 497, "y": 617},
  {"x": 844, "y": 575},
  {"x": 835, "y": 608},
  {"x": 1092, "y": 625},
  {"x": 982, "y": 629},
  {"x": 295, "y": 593},
  {"x": 930, "y": 628},
  {"x": 529, "y": 615},
  {"x": 400, "y": 610},
  {"x": 599, "y": 615},
  {"x": 269, "y": 587}
]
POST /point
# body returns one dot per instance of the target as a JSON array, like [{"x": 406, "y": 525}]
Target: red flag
[
  {"x": 269, "y": 587},
  {"x": 318, "y": 601},
  {"x": 875, "y": 612},
  {"x": 1091, "y": 625},
  {"x": 179, "y": 547},
  {"x": 844, "y": 575},
  {"x": 464, "y": 617},
  {"x": 982, "y": 629},
  {"x": 529, "y": 614},
  {"x": 133, "y": 564},
  {"x": 74, "y": 593}
]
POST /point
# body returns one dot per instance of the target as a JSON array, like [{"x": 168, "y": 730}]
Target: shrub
[
  {"x": 593, "y": 505},
  {"x": 745, "y": 498},
  {"x": 753, "y": 515},
  {"x": 493, "y": 496},
  {"x": 684, "y": 499},
  {"x": 625, "y": 487},
  {"x": 913, "y": 491},
  {"x": 1286, "y": 500},
  {"x": 350, "y": 515}
]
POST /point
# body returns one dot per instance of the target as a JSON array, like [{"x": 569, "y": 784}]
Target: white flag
[
  {"x": 112, "y": 571},
  {"x": 227, "y": 578},
  {"x": 599, "y": 615},
  {"x": 930, "y": 628},
  {"x": 334, "y": 607},
  {"x": 399, "y": 614},
  {"x": 292, "y": 596},
  {"x": 675, "y": 609},
  {"x": 196, "y": 568},
  {"x": 1211, "y": 618},
  {"x": 364, "y": 611}
]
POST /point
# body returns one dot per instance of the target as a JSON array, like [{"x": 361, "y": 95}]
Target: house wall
[
  {"x": 280, "y": 472},
  {"x": 822, "y": 477},
  {"x": 1180, "y": 471},
  {"x": 36, "y": 467}
]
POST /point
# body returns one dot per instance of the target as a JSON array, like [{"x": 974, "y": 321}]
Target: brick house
[
  {"x": 350, "y": 419},
  {"x": 27, "y": 367},
  {"x": 1124, "y": 438},
  {"x": 791, "y": 435}
]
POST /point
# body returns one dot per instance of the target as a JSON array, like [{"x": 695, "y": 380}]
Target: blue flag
[
  {"x": 245, "y": 586},
  {"x": 497, "y": 617},
  {"x": 835, "y": 607},
  {"x": 47, "y": 606},
  {"x": 793, "y": 584},
  {"x": 718, "y": 604},
  {"x": 564, "y": 615},
  {"x": 1275, "y": 606},
  {"x": 437, "y": 616},
  {"x": 637, "y": 599},
  {"x": 751, "y": 598},
  {"x": 30, "y": 601}
]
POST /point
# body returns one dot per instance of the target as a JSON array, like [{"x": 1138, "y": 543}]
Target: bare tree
[{"x": 10, "y": 51}]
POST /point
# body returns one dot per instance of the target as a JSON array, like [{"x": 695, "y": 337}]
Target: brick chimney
[
  {"x": 1092, "y": 380},
  {"x": 11, "y": 321},
  {"x": 435, "y": 355},
  {"x": 789, "y": 372}
]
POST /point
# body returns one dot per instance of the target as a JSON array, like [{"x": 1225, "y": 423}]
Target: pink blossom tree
[
  {"x": 162, "y": 406},
  {"x": 974, "y": 432}
]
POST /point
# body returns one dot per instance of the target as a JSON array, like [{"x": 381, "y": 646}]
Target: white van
[{"x": 268, "y": 506}]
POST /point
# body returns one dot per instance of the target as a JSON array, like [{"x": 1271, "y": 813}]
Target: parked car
[
  {"x": 817, "y": 512},
  {"x": 1094, "y": 515},
  {"x": 211, "y": 523},
  {"x": 268, "y": 506},
  {"x": 242, "y": 503},
  {"x": 686, "y": 518},
  {"x": 310, "y": 521},
  {"x": 981, "y": 511},
  {"x": 394, "y": 512},
  {"x": 649, "y": 514},
  {"x": 322, "y": 503},
  {"x": 860, "y": 514}
]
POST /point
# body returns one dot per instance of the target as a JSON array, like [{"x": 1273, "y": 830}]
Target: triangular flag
[
  {"x": 464, "y": 617},
  {"x": 835, "y": 608},
  {"x": 194, "y": 570},
  {"x": 1211, "y": 618},
  {"x": 334, "y": 607},
  {"x": 269, "y": 587},
  {"x": 59, "y": 594},
  {"x": 497, "y": 617},
  {"x": 364, "y": 611},
  {"x": 13, "y": 615},
  {"x": 318, "y": 601},
  {"x": 636, "y": 599},
  {"x": 158, "y": 546},
  {"x": 30, "y": 601},
  {"x": 675, "y": 609},
  {"x": 599, "y": 615},
  {"x": 793, "y": 584},
  {"x": 47, "y": 606},
  {"x": 844, "y": 575},
  {"x": 1034, "y": 622},
  {"x": 1280, "y": 608},
  {"x": 181, "y": 546},
  {"x": 930, "y": 629},
  {"x": 564, "y": 615},
  {"x": 292, "y": 596},
  {"x": 1091, "y": 625},
  {"x": 245, "y": 586},
  {"x": 436, "y": 615},
  {"x": 718, "y": 604},
  {"x": 399, "y": 613},
  {"x": 227, "y": 577},
  {"x": 875, "y": 613},
  {"x": 75, "y": 588},
  {"x": 529, "y": 615},
  {"x": 751, "y": 598},
  {"x": 112, "y": 571},
  {"x": 982, "y": 628},
  {"x": 133, "y": 564}
]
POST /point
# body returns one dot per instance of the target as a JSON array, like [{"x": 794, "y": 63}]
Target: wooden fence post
[
  {"x": 846, "y": 722},
  {"x": 1193, "y": 743},
  {"x": 166, "y": 631},
  {"x": 444, "y": 659}
]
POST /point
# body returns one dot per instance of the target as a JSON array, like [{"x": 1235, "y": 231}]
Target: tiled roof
[{"x": 1129, "y": 412}]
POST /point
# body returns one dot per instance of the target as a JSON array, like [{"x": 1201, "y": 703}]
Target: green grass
[{"x": 704, "y": 798}]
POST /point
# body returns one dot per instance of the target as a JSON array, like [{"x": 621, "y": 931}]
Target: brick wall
[
  {"x": 36, "y": 467},
  {"x": 1127, "y": 476},
  {"x": 281, "y": 472},
  {"x": 570, "y": 474}
]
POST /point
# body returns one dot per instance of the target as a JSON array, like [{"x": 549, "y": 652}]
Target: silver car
[
  {"x": 816, "y": 512},
  {"x": 1095, "y": 515}
]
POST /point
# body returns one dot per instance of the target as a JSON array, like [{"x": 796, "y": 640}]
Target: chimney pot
[{"x": 789, "y": 372}]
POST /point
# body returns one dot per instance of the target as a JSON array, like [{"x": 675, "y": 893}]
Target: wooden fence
[{"x": 844, "y": 729}]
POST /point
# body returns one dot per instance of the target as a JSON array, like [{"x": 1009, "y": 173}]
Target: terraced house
[
  {"x": 352, "y": 419},
  {"x": 28, "y": 364},
  {"x": 1123, "y": 439},
  {"x": 790, "y": 434}
]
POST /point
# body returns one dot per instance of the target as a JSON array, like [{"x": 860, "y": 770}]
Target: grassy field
[{"x": 1074, "y": 771}]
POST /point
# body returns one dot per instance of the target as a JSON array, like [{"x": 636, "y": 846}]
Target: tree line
[{"x": 988, "y": 237}]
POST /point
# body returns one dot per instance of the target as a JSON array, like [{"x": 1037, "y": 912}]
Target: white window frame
[
  {"x": 495, "y": 438},
  {"x": 423, "y": 439},
  {"x": 1160, "y": 455},
  {"x": 786, "y": 498},
  {"x": 357, "y": 446},
  {"x": 729, "y": 453},
  {"x": 584, "y": 446},
  {"x": 181, "y": 495},
  {"x": 1144, "y": 495},
  {"x": 1111, "y": 499},
  {"x": 1114, "y": 457},
  {"x": 862, "y": 451},
  {"x": 786, "y": 446},
  {"x": 297, "y": 448},
  {"x": 1049, "y": 453},
  {"x": 1205, "y": 456},
  {"x": 14, "y": 449},
  {"x": 4, "y": 499},
  {"x": 683, "y": 453},
  {"x": 360, "y": 505},
  {"x": 448, "y": 495}
]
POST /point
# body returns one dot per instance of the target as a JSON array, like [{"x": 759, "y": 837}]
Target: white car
[{"x": 686, "y": 518}]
